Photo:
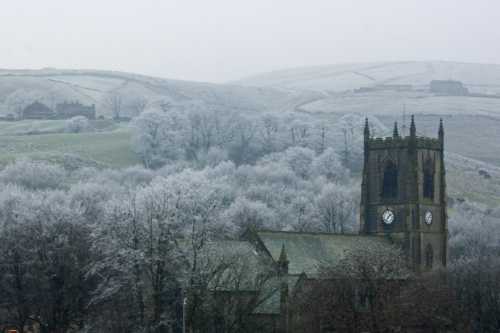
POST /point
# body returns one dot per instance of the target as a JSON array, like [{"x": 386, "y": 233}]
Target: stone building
[
  {"x": 403, "y": 205},
  {"x": 37, "y": 110},
  {"x": 68, "y": 110},
  {"x": 448, "y": 87}
]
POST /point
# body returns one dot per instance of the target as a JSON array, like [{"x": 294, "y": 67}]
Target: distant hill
[
  {"x": 390, "y": 90},
  {"x": 483, "y": 78},
  {"x": 111, "y": 145},
  {"x": 92, "y": 87},
  {"x": 385, "y": 90}
]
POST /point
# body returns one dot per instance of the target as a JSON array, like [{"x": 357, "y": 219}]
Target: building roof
[
  {"x": 232, "y": 265},
  {"x": 249, "y": 265},
  {"x": 308, "y": 252},
  {"x": 38, "y": 107}
]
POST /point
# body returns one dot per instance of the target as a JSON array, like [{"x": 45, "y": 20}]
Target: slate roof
[
  {"x": 238, "y": 263},
  {"x": 305, "y": 252},
  {"x": 243, "y": 275},
  {"x": 308, "y": 252}
]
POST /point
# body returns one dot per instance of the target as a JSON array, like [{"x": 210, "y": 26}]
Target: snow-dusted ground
[
  {"x": 472, "y": 123},
  {"x": 478, "y": 77},
  {"x": 325, "y": 90},
  {"x": 393, "y": 103},
  {"x": 90, "y": 87}
]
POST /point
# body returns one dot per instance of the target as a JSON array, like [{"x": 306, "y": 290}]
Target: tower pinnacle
[
  {"x": 367, "y": 129},
  {"x": 413, "y": 130},
  {"x": 395, "y": 132}
]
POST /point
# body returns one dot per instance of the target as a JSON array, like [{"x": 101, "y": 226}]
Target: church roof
[
  {"x": 308, "y": 252},
  {"x": 243, "y": 269},
  {"x": 249, "y": 262},
  {"x": 237, "y": 263}
]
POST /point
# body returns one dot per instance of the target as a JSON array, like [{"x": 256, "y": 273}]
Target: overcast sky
[{"x": 221, "y": 40}]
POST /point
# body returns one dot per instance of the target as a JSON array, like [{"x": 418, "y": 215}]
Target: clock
[
  {"x": 388, "y": 216},
  {"x": 428, "y": 217}
]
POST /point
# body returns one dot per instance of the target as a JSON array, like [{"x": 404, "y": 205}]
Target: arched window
[
  {"x": 429, "y": 256},
  {"x": 429, "y": 179},
  {"x": 390, "y": 182}
]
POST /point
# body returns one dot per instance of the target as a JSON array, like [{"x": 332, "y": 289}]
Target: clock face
[
  {"x": 428, "y": 217},
  {"x": 388, "y": 216}
]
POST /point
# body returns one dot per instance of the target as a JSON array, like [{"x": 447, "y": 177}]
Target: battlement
[
  {"x": 396, "y": 141},
  {"x": 403, "y": 142}
]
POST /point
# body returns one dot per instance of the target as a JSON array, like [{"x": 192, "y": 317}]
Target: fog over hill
[
  {"x": 341, "y": 77},
  {"x": 391, "y": 90},
  {"x": 92, "y": 87}
]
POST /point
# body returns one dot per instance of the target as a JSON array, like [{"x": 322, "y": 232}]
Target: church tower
[{"x": 403, "y": 194}]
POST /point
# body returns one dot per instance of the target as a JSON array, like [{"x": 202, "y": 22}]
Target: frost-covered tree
[
  {"x": 157, "y": 137},
  {"x": 329, "y": 165},
  {"x": 77, "y": 124},
  {"x": 300, "y": 160},
  {"x": 336, "y": 206},
  {"x": 212, "y": 157},
  {"x": 45, "y": 252},
  {"x": 33, "y": 174},
  {"x": 113, "y": 102},
  {"x": 474, "y": 269},
  {"x": 250, "y": 214},
  {"x": 18, "y": 100},
  {"x": 89, "y": 200},
  {"x": 138, "y": 105},
  {"x": 137, "y": 264}
]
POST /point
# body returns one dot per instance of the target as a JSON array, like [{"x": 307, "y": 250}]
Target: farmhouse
[
  {"x": 65, "y": 110},
  {"x": 403, "y": 205},
  {"x": 37, "y": 110},
  {"x": 68, "y": 110},
  {"x": 448, "y": 87}
]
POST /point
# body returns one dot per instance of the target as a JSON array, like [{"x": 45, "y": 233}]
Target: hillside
[
  {"x": 92, "y": 87},
  {"x": 391, "y": 90},
  {"x": 321, "y": 90},
  {"x": 484, "y": 78},
  {"x": 110, "y": 145},
  {"x": 45, "y": 139}
]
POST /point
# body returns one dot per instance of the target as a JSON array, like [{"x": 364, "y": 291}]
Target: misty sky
[{"x": 221, "y": 40}]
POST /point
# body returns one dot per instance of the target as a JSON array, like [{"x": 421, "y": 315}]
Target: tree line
[{"x": 87, "y": 249}]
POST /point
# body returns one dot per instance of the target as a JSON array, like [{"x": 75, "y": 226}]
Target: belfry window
[
  {"x": 429, "y": 256},
  {"x": 429, "y": 179},
  {"x": 390, "y": 181}
]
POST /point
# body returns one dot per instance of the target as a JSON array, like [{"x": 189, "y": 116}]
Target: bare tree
[
  {"x": 336, "y": 207},
  {"x": 138, "y": 105},
  {"x": 113, "y": 101},
  {"x": 230, "y": 284}
]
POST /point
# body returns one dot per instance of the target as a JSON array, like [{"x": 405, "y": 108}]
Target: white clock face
[
  {"x": 388, "y": 216},
  {"x": 428, "y": 217}
]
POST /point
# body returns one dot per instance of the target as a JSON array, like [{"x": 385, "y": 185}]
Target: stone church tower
[{"x": 404, "y": 194}]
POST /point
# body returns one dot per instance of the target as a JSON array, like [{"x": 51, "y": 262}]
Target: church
[{"x": 402, "y": 204}]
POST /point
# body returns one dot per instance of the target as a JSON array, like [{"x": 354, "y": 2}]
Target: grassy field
[
  {"x": 108, "y": 148},
  {"x": 31, "y": 126}
]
